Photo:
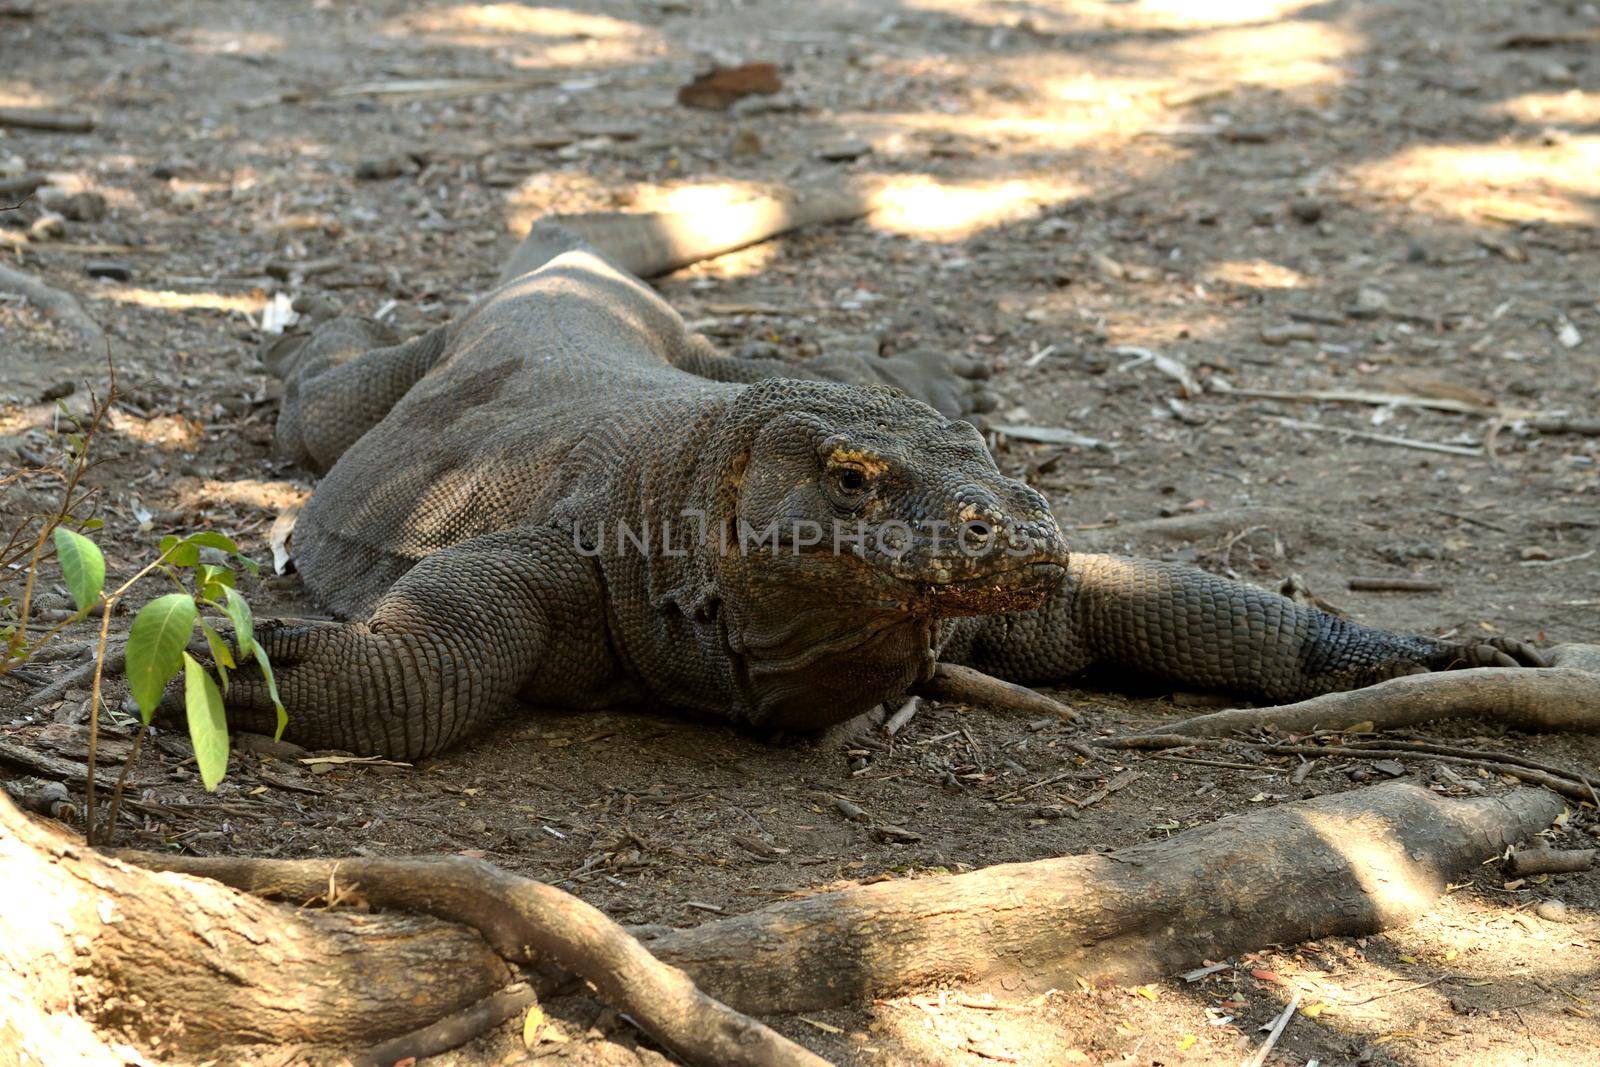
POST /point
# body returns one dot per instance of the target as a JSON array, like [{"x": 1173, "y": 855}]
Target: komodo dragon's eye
[{"x": 850, "y": 479}]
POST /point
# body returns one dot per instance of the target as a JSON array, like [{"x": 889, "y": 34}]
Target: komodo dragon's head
[
  {"x": 881, "y": 500},
  {"x": 856, "y": 519}
]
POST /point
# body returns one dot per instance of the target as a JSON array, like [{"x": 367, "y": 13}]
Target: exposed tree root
[
  {"x": 62, "y": 304},
  {"x": 188, "y": 964},
  {"x": 1551, "y": 861},
  {"x": 1340, "y": 865},
  {"x": 964, "y": 685},
  {"x": 527, "y": 922},
  {"x": 1551, "y": 698}
]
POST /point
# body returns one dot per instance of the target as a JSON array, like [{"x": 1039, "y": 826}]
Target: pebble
[
  {"x": 1307, "y": 210},
  {"x": 108, "y": 268},
  {"x": 746, "y": 142},
  {"x": 844, "y": 151},
  {"x": 48, "y": 227},
  {"x": 767, "y": 105},
  {"x": 378, "y": 169},
  {"x": 1283, "y": 333},
  {"x": 1556, "y": 73},
  {"x": 1106, "y": 267},
  {"x": 1536, "y": 552},
  {"x": 1552, "y": 911},
  {"x": 87, "y": 206},
  {"x": 1264, "y": 216},
  {"x": 1370, "y": 302}
]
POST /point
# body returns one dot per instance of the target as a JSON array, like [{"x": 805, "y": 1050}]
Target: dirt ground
[{"x": 1398, "y": 197}]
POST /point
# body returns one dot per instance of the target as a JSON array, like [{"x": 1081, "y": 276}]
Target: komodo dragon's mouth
[{"x": 1014, "y": 588}]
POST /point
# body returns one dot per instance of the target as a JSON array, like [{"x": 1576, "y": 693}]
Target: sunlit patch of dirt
[
  {"x": 1256, "y": 274},
  {"x": 1550, "y": 183},
  {"x": 1574, "y": 107},
  {"x": 548, "y": 36}
]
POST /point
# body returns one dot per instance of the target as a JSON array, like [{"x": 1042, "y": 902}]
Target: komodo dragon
[{"x": 549, "y": 499}]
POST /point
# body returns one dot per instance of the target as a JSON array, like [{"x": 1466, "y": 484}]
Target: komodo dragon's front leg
[
  {"x": 1181, "y": 625},
  {"x": 448, "y": 646}
]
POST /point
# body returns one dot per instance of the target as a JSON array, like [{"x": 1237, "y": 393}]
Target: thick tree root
[
  {"x": 187, "y": 964},
  {"x": 183, "y": 964},
  {"x": 527, "y": 922},
  {"x": 1348, "y": 864},
  {"x": 1550, "y": 698},
  {"x": 964, "y": 685}
]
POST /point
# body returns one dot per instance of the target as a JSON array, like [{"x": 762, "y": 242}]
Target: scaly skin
[{"x": 552, "y": 498}]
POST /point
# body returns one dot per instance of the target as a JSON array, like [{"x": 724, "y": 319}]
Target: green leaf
[
  {"x": 212, "y": 539},
  {"x": 155, "y": 647},
  {"x": 82, "y": 565},
  {"x": 219, "y": 653},
  {"x": 179, "y": 553},
  {"x": 244, "y": 625},
  {"x": 212, "y": 578},
  {"x": 208, "y": 724},
  {"x": 250, "y": 565},
  {"x": 90, "y": 524},
  {"x": 272, "y": 690}
]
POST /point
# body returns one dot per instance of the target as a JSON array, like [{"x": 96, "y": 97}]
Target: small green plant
[
  {"x": 200, "y": 566},
  {"x": 158, "y": 641}
]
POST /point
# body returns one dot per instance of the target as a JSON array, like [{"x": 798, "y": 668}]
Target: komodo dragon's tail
[{"x": 654, "y": 243}]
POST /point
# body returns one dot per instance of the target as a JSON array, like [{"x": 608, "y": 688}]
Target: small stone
[
  {"x": 380, "y": 168},
  {"x": 844, "y": 151},
  {"x": 1264, "y": 216},
  {"x": 1556, "y": 73},
  {"x": 59, "y": 390},
  {"x": 48, "y": 227},
  {"x": 108, "y": 268},
  {"x": 1369, "y": 303},
  {"x": 746, "y": 142},
  {"x": 1552, "y": 911},
  {"x": 87, "y": 206},
  {"x": 1283, "y": 333},
  {"x": 1389, "y": 768},
  {"x": 1106, "y": 267},
  {"x": 1306, "y": 209},
  {"x": 1536, "y": 552},
  {"x": 767, "y": 105}
]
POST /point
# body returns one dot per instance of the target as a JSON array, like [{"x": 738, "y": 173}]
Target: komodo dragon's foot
[
  {"x": 954, "y": 386},
  {"x": 1495, "y": 652}
]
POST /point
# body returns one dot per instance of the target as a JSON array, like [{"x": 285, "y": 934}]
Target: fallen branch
[
  {"x": 62, "y": 304},
  {"x": 1474, "y": 451},
  {"x": 1549, "y": 698},
  {"x": 963, "y": 685},
  {"x": 1551, "y": 861},
  {"x": 1394, "y": 585},
  {"x": 526, "y": 922},
  {"x": 30, "y": 118},
  {"x": 1349, "y": 864},
  {"x": 1569, "y": 787}
]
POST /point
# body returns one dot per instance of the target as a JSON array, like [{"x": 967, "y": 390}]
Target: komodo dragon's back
[{"x": 548, "y": 386}]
